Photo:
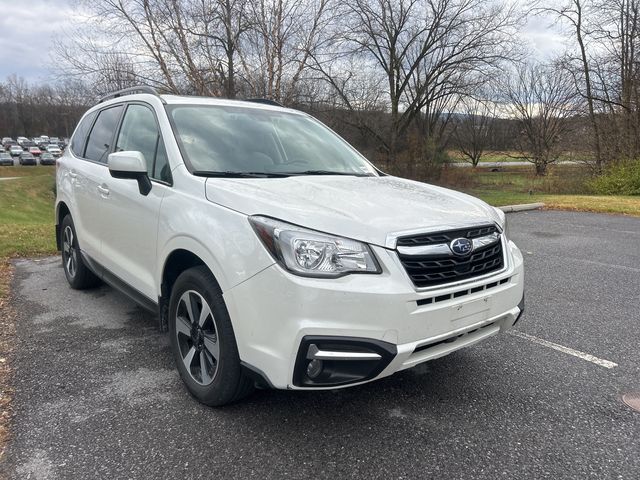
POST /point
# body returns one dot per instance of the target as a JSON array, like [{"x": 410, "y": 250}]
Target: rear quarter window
[{"x": 80, "y": 135}]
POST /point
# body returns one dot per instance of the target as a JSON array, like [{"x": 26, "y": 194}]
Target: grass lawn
[
  {"x": 625, "y": 205},
  {"x": 516, "y": 185},
  {"x": 26, "y": 216},
  {"x": 29, "y": 171},
  {"x": 457, "y": 156},
  {"x": 502, "y": 157}
]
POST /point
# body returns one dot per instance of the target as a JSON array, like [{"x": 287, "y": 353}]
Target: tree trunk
[{"x": 589, "y": 94}]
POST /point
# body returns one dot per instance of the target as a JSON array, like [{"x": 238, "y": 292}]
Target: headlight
[
  {"x": 504, "y": 226},
  {"x": 313, "y": 254}
]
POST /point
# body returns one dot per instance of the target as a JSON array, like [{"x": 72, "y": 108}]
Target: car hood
[{"x": 369, "y": 209}]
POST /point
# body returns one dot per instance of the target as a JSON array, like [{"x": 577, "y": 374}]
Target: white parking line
[{"x": 561, "y": 348}]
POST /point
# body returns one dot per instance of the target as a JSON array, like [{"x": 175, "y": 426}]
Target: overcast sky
[
  {"x": 27, "y": 30},
  {"x": 29, "y": 27}
]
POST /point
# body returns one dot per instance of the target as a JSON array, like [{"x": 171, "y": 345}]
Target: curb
[{"x": 522, "y": 207}]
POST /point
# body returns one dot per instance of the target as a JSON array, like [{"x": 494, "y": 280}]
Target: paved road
[{"x": 97, "y": 395}]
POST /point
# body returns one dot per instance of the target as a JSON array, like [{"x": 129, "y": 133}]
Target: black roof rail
[
  {"x": 131, "y": 91},
  {"x": 266, "y": 101}
]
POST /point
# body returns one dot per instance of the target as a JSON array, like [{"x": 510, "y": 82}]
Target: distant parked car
[
  {"x": 7, "y": 140},
  {"x": 35, "y": 151},
  {"x": 15, "y": 150},
  {"x": 21, "y": 140},
  {"x": 27, "y": 159},
  {"x": 54, "y": 150},
  {"x": 47, "y": 159},
  {"x": 6, "y": 159}
]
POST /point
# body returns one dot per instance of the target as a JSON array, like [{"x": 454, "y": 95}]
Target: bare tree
[
  {"x": 473, "y": 128},
  {"x": 221, "y": 26},
  {"x": 606, "y": 68},
  {"x": 28, "y": 109},
  {"x": 576, "y": 13},
  {"x": 285, "y": 34},
  {"x": 422, "y": 52},
  {"x": 541, "y": 98}
]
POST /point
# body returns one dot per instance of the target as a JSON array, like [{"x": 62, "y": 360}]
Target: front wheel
[{"x": 202, "y": 340}]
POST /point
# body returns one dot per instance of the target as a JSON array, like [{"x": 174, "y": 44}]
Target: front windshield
[{"x": 219, "y": 139}]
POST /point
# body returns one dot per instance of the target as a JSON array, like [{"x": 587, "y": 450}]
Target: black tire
[
  {"x": 197, "y": 338},
  {"x": 78, "y": 274}
]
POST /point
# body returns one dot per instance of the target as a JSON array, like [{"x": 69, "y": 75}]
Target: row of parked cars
[{"x": 29, "y": 151}]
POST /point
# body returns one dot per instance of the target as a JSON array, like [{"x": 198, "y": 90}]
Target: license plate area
[{"x": 471, "y": 312}]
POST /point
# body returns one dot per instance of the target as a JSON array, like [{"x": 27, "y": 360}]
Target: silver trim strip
[
  {"x": 392, "y": 238},
  {"x": 444, "y": 249},
  {"x": 484, "y": 241},
  {"x": 425, "y": 250},
  {"x": 314, "y": 353}
]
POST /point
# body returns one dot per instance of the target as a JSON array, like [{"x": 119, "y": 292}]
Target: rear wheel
[
  {"x": 78, "y": 274},
  {"x": 202, "y": 340}
]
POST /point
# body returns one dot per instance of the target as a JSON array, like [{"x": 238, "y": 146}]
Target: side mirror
[{"x": 130, "y": 165}]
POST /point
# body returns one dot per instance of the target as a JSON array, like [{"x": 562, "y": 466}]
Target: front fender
[{"x": 221, "y": 238}]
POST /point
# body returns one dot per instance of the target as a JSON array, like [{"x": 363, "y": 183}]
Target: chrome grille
[{"x": 429, "y": 261}]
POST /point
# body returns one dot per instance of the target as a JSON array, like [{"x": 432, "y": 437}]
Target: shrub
[{"x": 620, "y": 179}]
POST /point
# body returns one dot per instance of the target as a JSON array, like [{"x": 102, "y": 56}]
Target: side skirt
[{"x": 119, "y": 284}]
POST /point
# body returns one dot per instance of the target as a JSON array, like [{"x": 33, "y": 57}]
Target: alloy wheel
[{"x": 197, "y": 337}]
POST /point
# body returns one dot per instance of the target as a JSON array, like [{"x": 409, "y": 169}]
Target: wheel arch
[{"x": 176, "y": 261}]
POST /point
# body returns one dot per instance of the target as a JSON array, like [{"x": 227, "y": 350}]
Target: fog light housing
[
  {"x": 314, "y": 369},
  {"x": 333, "y": 361}
]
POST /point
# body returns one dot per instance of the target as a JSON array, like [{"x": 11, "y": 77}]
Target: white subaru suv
[{"x": 271, "y": 250}]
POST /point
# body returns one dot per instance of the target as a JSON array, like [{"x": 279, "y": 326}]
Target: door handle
[
  {"x": 104, "y": 191},
  {"x": 73, "y": 174}
]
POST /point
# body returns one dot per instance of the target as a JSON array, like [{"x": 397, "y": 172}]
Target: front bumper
[{"x": 274, "y": 313}]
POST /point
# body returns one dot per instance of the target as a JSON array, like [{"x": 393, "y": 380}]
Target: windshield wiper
[
  {"x": 330, "y": 172},
  {"x": 231, "y": 174}
]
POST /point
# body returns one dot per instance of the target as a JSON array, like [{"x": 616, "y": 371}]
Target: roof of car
[{"x": 195, "y": 100}]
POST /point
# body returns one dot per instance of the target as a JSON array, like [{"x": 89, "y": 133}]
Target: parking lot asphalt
[{"x": 97, "y": 395}]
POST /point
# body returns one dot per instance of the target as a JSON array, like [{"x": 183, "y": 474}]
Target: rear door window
[{"x": 102, "y": 133}]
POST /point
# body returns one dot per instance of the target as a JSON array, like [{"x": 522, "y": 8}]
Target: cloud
[
  {"x": 544, "y": 37},
  {"x": 27, "y": 31}
]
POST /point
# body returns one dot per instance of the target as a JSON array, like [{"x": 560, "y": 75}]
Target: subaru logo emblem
[{"x": 461, "y": 246}]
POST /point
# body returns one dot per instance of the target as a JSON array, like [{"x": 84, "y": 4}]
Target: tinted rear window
[
  {"x": 102, "y": 133},
  {"x": 80, "y": 136}
]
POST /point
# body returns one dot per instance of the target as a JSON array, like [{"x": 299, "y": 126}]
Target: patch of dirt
[{"x": 7, "y": 342}]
